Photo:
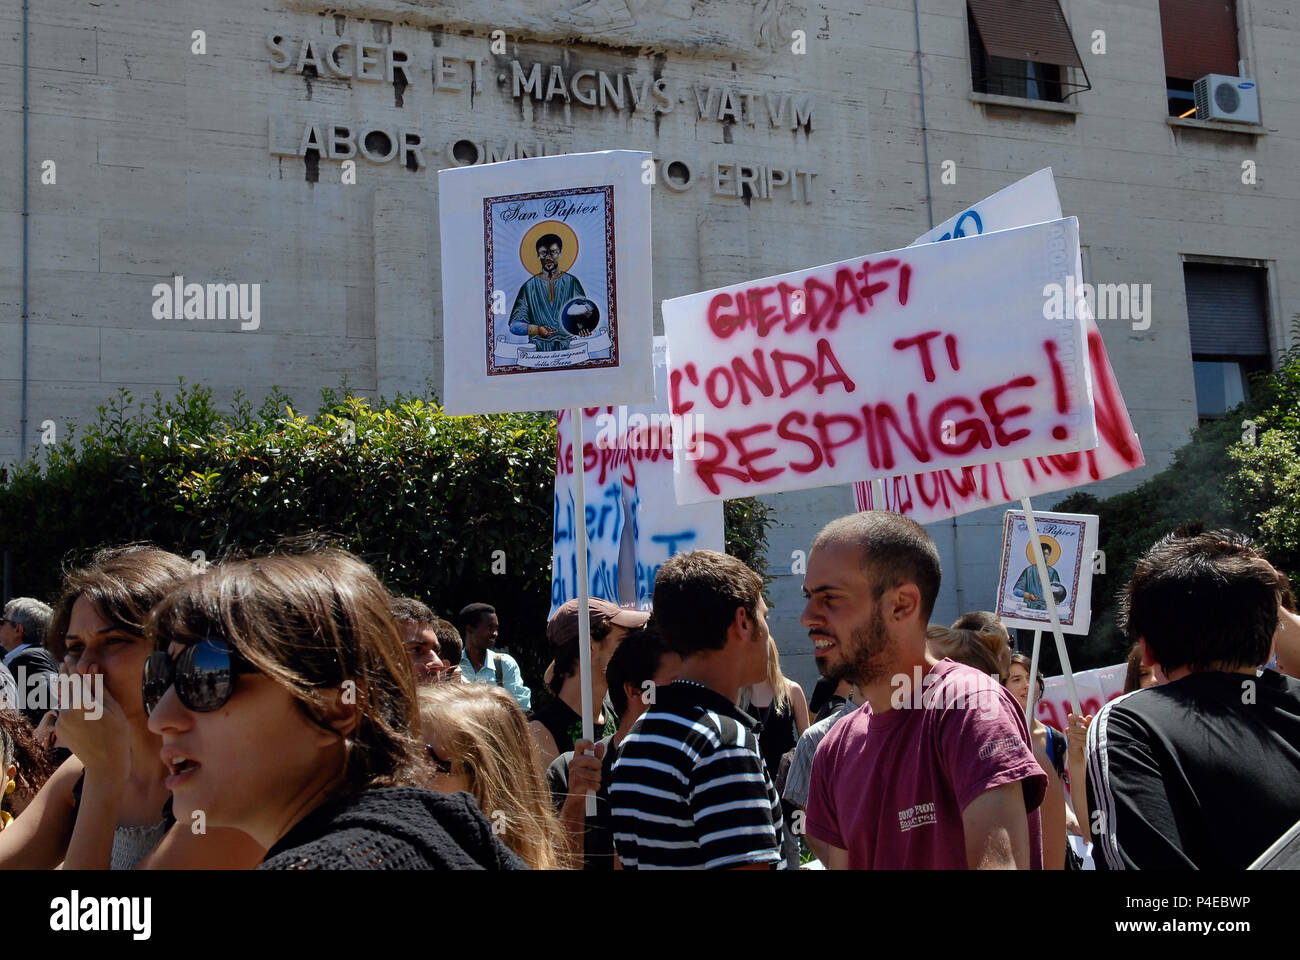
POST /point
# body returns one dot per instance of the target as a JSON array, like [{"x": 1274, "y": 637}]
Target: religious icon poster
[
  {"x": 1068, "y": 542},
  {"x": 546, "y": 283}
]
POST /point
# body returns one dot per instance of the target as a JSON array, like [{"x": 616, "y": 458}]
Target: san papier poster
[
  {"x": 935, "y": 356},
  {"x": 634, "y": 523},
  {"x": 546, "y": 283},
  {"x": 929, "y": 496},
  {"x": 1068, "y": 542}
]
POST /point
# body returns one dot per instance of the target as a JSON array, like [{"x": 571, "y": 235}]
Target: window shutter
[
  {"x": 1200, "y": 37},
  {"x": 1025, "y": 30},
  {"x": 1226, "y": 310}
]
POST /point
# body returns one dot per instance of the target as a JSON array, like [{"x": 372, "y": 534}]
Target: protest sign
[
  {"x": 1096, "y": 688},
  {"x": 937, "y": 495},
  {"x": 1068, "y": 541},
  {"x": 937, "y": 356},
  {"x": 546, "y": 302},
  {"x": 1032, "y": 199},
  {"x": 546, "y": 283},
  {"x": 628, "y": 460}
]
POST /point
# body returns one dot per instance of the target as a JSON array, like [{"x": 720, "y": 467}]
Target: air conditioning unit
[{"x": 1226, "y": 98}]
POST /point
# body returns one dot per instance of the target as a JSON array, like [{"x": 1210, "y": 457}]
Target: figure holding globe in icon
[
  {"x": 1029, "y": 586},
  {"x": 551, "y": 308}
]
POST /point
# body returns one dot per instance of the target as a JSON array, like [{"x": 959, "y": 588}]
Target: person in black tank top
[
  {"x": 565, "y": 724},
  {"x": 776, "y": 734},
  {"x": 783, "y": 719}
]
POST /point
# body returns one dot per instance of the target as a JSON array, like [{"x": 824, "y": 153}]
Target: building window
[
  {"x": 1023, "y": 48},
  {"x": 1227, "y": 318},
  {"x": 1199, "y": 38}
]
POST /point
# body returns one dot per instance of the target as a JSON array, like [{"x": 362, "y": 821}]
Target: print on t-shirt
[{"x": 915, "y": 816}]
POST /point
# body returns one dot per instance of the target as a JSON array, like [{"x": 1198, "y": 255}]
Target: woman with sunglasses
[
  {"x": 285, "y": 701},
  {"x": 107, "y": 806},
  {"x": 478, "y": 741}
]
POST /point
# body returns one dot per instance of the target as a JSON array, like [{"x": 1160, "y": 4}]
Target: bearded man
[{"x": 935, "y": 769}]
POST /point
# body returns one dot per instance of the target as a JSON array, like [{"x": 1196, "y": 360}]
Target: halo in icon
[{"x": 1053, "y": 550}]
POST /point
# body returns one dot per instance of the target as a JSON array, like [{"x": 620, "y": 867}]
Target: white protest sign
[
  {"x": 628, "y": 455},
  {"x": 933, "y": 356},
  {"x": 937, "y": 495},
  {"x": 1068, "y": 541},
  {"x": 1096, "y": 689},
  {"x": 1032, "y": 199},
  {"x": 546, "y": 283}
]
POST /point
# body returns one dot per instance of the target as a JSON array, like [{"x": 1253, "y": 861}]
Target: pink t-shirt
[{"x": 890, "y": 788}]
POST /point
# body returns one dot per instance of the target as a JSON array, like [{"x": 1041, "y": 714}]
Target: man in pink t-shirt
[{"x": 935, "y": 769}]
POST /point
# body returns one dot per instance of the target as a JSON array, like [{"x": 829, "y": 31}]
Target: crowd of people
[{"x": 287, "y": 712}]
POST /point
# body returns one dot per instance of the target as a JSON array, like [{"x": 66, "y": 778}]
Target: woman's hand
[
  {"x": 98, "y": 733},
  {"x": 1077, "y": 736}
]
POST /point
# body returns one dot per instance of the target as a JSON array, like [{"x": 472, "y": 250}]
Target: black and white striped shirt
[{"x": 690, "y": 789}]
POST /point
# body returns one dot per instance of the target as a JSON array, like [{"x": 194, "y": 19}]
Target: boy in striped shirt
[{"x": 690, "y": 790}]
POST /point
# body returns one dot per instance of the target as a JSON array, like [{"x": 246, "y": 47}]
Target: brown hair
[
  {"x": 568, "y": 655},
  {"x": 448, "y": 641},
  {"x": 482, "y": 728},
  {"x": 963, "y": 646},
  {"x": 19, "y": 746},
  {"x": 409, "y": 610},
  {"x": 1019, "y": 659},
  {"x": 122, "y": 583},
  {"x": 1285, "y": 596},
  {"x": 696, "y": 596},
  {"x": 312, "y": 622},
  {"x": 778, "y": 681},
  {"x": 992, "y": 632},
  {"x": 894, "y": 549},
  {"x": 1133, "y": 674}
]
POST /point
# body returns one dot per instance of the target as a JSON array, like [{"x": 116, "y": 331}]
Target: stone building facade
[{"x": 219, "y": 143}]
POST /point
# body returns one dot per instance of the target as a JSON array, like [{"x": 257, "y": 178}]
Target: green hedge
[
  {"x": 1221, "y": 478},
  {"x": 423, "y": 497}
]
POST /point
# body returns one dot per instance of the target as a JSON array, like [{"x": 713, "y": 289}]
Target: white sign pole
[
  {"x": 1031, "y": 699},
  {"x": 1050, "y": 599},
  {"x": 584, "y": 586}
]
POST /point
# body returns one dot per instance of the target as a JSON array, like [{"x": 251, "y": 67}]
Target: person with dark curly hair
[{"x": 24, "y": 765}]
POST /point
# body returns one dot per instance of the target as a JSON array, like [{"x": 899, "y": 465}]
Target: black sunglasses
[{"x": 203, "y": 673}]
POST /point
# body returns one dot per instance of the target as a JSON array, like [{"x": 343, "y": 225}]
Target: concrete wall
[{"x": 166, "y": 164}]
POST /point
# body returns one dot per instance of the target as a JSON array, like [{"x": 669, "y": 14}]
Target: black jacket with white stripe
[{"x": 1199, "y": 773}]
